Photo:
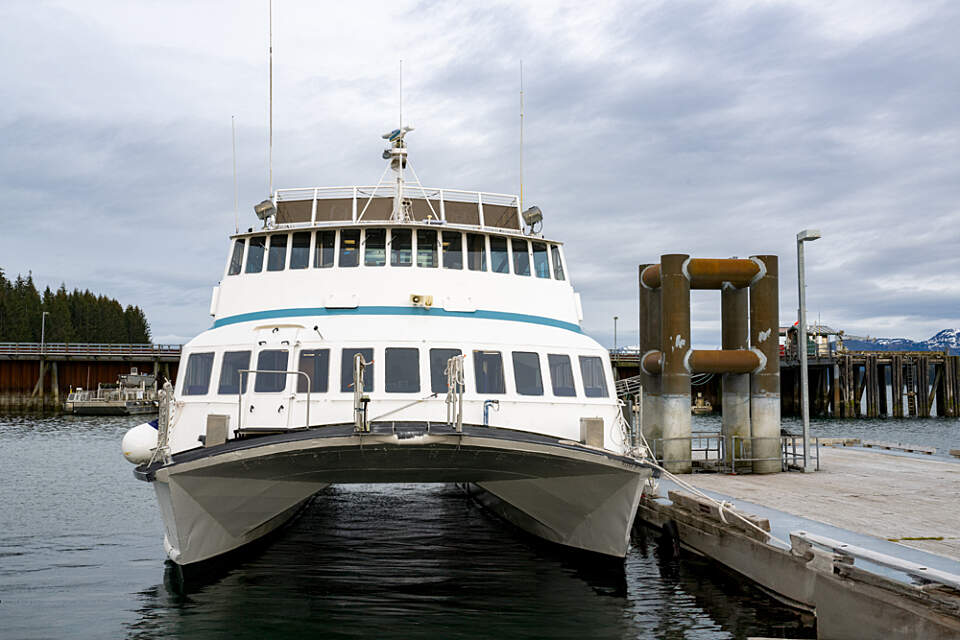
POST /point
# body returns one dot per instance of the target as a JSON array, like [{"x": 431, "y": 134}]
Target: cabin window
[
  {"x": 452, "y": 250},
  {"x": 277, "y": 259},
  {"x": 541, "y": 263},
  {"x": 521, "y": 257},
  {"x": 488, "y": 371},
  {"x": 594, "y": 381},
  {"x": 325, "y": 249},
  {"x": 197, "y": 379},
  {"x": 349, "y": 247},
  {"x": 346, "y": 369},
  {"x": 300, "y": 250},
  {"x": 557, "y": 265},
  {"x": 316, "y": 364},
  {"x": 402, "y": 370},
  {"x": 439, "y": 358},
  {"x": 236, "y": 260},
  {"x": 561, "y": 375},
  {"x": 401, "y": 248},
  {"x": 426, "y": 248},
  {"x": 255, "y": 254},
  {"x": 231, "y": 380},
  {"x": 499, "y": 260},
  {"x": 271, "y": 360},
  {"x": 375, "y": 248},
  {"x": 526, "y": 373},
  {"x": 476, "y": 252}
]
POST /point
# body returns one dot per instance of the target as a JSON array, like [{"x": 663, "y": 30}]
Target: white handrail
[{"x": 241, "y": 388}]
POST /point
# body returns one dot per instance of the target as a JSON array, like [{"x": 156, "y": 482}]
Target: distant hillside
[{"x": 948, "y": 339}]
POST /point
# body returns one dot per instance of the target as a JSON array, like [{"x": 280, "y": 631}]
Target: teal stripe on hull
[{"x": 396, "y": 311}]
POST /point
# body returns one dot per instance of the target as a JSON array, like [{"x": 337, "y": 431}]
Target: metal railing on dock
[
  {"x": 87, "y": 349},
  {"x": 708, "y": 452}
]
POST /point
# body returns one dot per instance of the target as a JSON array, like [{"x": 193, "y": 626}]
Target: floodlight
[
  {"x": 532, "y": 216},
  {"x": 808, "y": 234},
  {"x": 265, "y": 209}
]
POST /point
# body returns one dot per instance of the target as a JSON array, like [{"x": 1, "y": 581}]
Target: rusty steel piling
[
  {"x": 735, "y": 387},
  {"x": 651, "y": 421},
  {"x": 675, "y": 376},
  {"x": 765, "y": 383}
]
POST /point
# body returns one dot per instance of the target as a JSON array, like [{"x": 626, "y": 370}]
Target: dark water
[{"x": 81, "y": 557}]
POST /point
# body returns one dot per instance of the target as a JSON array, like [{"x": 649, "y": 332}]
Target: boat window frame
[
  {"x": 366, "y": 243},
  {"x": 241, "y": 384},
  {"x": 535, "y": 390},
  {"x": 391, "y": 251},
  {"x": 250, "y": 253},
  {"x": 270, "y": 253},
  {"x": 454, "y": 351},
  {"x": 483, "y": 251},
  {"x": 200, "y": 357},
  {"x": 357, "y": 249},
  {"x": 500, "y": 389},
  {"x": 546, "y": 260},
  {"x": 444, "y": 252},
  {"x": 557, "y": 261},
  {"x": 436, "y": 248},
  {"x": 317, "y": 254},
  {"x": 592, "y": 391},
  {"x": 515, "y": 258},
  {"x": 553, "y": 380},
  {"x": 346, "y": 369},
  {"x": 392, "y": 351},
  {"x": 233, "y": 259},
  {"x": 280, "y": 375},
  {"x": 315, "y": 386},
  {"x": 309, "y": 254},
  {"x": 506, "y": 241}
]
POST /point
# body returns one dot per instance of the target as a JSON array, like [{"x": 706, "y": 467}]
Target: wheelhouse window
[
  {"x": 499, "y": 259},
  {"x": 300, "y": 250},
  {"x": 561, "y": 375},
  {"x": 488, "y": 372},
  {"x": 375, "y": 248},
  {"x": 271, "y": 360},
  {"x": 402, "y": 370},
  {"x": 325, "y": 249},
  {"x": 401, "y": 248},
  {"x": 236, "y": 259},
  {"x": 197, "y": 379},
  {"x": 426, "y": 248},
  {"x": 277, "y": 259},
  {"x": 255, "y": 254},
  {"x": 439, "y": 359},
  {"x": 346, "y": 369},
  {"x": 526, "y": 373},
  {"x": 557, "y": 264},
  {"x": 594, "y": 381},
  {"x": 349, "y": 247},
  {"x": 541, "y": 263},
  {"x": 316, "y": 364},
  {"x": 476, "y": 252},
  {"x": 231, "y": 380},
  {"x": 521, "y": 257},
  {"x": 452, "y": 250}
]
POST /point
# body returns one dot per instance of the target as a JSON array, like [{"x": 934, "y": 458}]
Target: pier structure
[{"x": 749, "y": 364}]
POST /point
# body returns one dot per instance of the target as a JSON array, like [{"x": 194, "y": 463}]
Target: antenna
[
  {"x": 401, "y": 94},
  {"x": 270, "y": 161},
  {"x": 521, "y": 135},
  {"x": 236, "y": 196}
]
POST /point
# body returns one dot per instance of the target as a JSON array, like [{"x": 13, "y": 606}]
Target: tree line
[{"x": 73, "y": 316}]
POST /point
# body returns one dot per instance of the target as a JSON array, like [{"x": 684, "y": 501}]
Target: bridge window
[
  {"x": 401, "y": 248},
  {"x": 452, "y": 250},
  {"x": 316, "y": 364},
  {"x": 594, "y": 381},
  {"x": 561, "y": 375},
  {"x": 557, "y": 264},
  {"x": 300, "y": 250},
  {"x": 271, "y": 360},
  {"x": 325, "y": 249},
  {"x": 349, "y": 247},
  {"x": 439, "y": 359},
  {"x": 476, "y": 252},
  {"x": 526, "y": 373},
  {"x": 346, "y": 369},
  {"x": 197, "y": 379},
  {"x": 426, "y": 248},
  {"x": 488, "y": 371},
  {"x": 236, "y": 260},
  {"x": 402, "y": 370},
  {"x": 541, "y": 263},
  {"x": 231, "y": 381},
  {"x": 499, "y": 260},
  {"x": 521, "y": 257},
  {"x": 375, "y": 248},
  {"x": 255, "y": 254},
  {"x": 277, "y": 259}
]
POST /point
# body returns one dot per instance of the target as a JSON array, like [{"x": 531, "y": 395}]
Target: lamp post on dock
[
  {"x": 615, "y": 318},
  {"x": 807, "y": 235}
]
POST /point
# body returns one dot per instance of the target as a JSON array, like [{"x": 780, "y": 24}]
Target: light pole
[
  {"x": 807, "y": 235},
  {"x": 43, "y": 332},
  {"x": 615, "y": 318}
]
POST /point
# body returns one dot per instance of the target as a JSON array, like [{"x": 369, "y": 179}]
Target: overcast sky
[{"x": 708, "y": 128}]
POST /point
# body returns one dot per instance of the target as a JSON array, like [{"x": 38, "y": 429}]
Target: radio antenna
[
  {"x": 401, "y": 94},
  {"x": 236, "y": 195},
  {"x": 521, "y": 135},
  {"x": 270, "y": 160}
]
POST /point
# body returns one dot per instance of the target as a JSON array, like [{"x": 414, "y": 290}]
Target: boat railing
[{"x": 242, "y": 388}]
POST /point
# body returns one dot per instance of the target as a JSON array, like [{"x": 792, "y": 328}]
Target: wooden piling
[
  {"x": 882, "y": 391},
  {"x": 923, "y": 387},
  {"x": 896, "y": 385},
  {"x": 837, "y": 405}
]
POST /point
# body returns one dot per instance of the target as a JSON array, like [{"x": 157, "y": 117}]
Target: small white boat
[
  {"x": 392, "y": 334},
  {"x": 133, "y": 393}
]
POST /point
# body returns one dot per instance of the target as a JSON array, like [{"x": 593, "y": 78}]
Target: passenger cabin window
[
  {"x": 197, "y": 379},
  {"x": 541, "y": 263},
  {"x": 300, "y": 250},
  {"x": 231, "y": 380},
  {"x": 349, "y": 247},
  {"x": 346, "y": 369},
  {"x": 426, "y": 248},
  {"x": 271, "y": 360},
  {"x": 236, "y": 260},
  {"x": 316, "y": 364},
  {"x": 488, "y": 372},
  {"x": 521, "y": 257},
  {"x": 402, "y": 370},
  {"x": 452, "y": 250},
  {"x": 277, "y": 259},
  {"x": 324, "y": 251},
  {"x": 375, "y": 248},
  {"x": 499, "y": 260},
  {"x": 526, "y": 373},
  {"x": 255, "y": 254},
  {"x": 476, "y": 252},
  {"x": 557, "y": 265},
  {"x": 401, "y": 248},
  {"x": 561, "y": 375},
  {"x": 439, "y": 358},
  {"x": 594, "y": 382}
]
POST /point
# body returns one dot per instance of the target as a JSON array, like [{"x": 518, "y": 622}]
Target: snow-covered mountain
[{"x": 947, "y": 339}]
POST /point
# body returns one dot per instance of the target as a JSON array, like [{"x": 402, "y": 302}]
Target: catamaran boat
[{"x": 395, "y": 334}]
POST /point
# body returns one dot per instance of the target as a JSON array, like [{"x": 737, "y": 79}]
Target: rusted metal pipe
[
  {"x": 765, "y": 384},
  {"x": 675, "y": 378},
  {"x": 735, "y": 387},
  {"x": 651, "y": 421},
  {"x": 739, "y": 361},
  {"x": 709, "y": 273}
]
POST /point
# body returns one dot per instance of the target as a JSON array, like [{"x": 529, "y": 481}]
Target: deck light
[
  {"x": 532, "y": 216},
  {"x": 265, "y": 209}
]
